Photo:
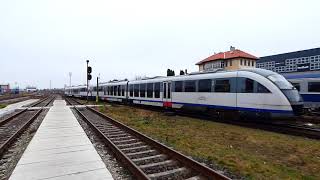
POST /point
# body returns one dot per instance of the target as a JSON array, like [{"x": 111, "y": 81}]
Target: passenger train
[{"x": 254, "y": 91}]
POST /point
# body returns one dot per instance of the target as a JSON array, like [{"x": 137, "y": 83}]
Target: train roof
[
  {"x": 191, "y": 76},
  {"x": 76, "y": 87},
  {"x": 262, "y": 72}
]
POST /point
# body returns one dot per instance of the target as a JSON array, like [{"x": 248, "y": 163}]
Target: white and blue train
[{"x": 253, "y": 91}]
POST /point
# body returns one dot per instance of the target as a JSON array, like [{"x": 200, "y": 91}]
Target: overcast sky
[{"x": 44, "y": 40}]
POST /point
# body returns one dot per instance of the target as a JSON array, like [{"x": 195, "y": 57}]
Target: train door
[{"x": 166, "y": 98}]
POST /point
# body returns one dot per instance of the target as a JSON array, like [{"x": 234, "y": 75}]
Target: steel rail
[
  {"x": 8, "y": 142},
  {"x": 195, "y": 166}
]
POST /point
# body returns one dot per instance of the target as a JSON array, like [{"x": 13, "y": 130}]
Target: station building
[
  {"x": 229, "y": 60},
  {"x": 4, "y": 88},
  {"x": 301, "y": 68}
]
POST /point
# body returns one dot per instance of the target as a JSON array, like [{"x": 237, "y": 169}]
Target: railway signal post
[{"x": 89, "y": 77}]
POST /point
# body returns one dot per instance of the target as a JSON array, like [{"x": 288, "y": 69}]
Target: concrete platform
[
  {"x": 12, "y": 107},
  {"x": 60, "y": 150}
]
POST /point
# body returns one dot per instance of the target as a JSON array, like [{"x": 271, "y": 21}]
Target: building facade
[
  {"x": 4, "y": 88},
  {"x": 229, "y": 60},
  {"x": 299, "y": 61}
]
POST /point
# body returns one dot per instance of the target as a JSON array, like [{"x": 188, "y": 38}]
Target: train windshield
[{"x": 280, "y": 81}]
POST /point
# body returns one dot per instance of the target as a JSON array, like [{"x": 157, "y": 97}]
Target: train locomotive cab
[
  {"x": 290, "y": 92},
  {"x": 283, "y": 88}
]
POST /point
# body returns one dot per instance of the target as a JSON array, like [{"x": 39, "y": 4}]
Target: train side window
[
  {"x": 119, "y": 90},
  {"x": 314, "y": 86},
  {"x": 204, "y": 85},
  {"x": 261, "y": 88},
  {"x": 245, "y": 85},
  {"x": 296, "y": 85},
  {"x": 189, "y": 86},
  {"x": 178, "y": 86},
  {"x": 122, "y": 90},
  {"x": 131, "y": 90},
  {"x": 115, "y": 90},
  {"x": 222, "y": 85},
  {"x": 142, "y": 90},
  {"x": 164, "y": 90},
  {"x": 136, "y": 90},
  {"x": 150, "y": 90},
  {"x": 157, "y": 90}
]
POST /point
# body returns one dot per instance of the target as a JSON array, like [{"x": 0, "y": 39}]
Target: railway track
[
  {"x": 14, "y": 125},
  {"x": 144, "y": 157},
  {"x": 284, "y": 127},
  {"x": 43, "y": 102}
]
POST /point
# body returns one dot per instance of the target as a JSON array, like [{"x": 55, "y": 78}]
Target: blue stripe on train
[{"x": 226, "y": 107}]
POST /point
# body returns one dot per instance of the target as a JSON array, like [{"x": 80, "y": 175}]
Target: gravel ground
[
  {"x": 10, "y": 158},
  {"x": 15, "y": 100},
  {"x": 8, "y": 115},
  {"x": 116, "y": 169}
]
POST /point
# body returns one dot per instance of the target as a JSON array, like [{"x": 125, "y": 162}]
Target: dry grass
[
  {"x": 254, "y": 154},
  {"x": 3, "y": 106}
]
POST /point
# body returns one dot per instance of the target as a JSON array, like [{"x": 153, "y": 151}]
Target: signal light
[{"x": 89, "y": 70}]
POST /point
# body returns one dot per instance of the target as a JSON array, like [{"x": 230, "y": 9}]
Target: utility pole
[
  {"x": 70, "y": 74},
  {"x": 97, "y": 97}
]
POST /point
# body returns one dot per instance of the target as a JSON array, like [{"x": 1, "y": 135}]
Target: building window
[
  {"x": 252, "y": 63},
  {"x": 245, "y": 62},
  {"x": 189, "y": 86},
  {"x": 204, "y": 85},
  {"x": 221, "y": 64},
  {"x": 241, "y": 62},
  {"x": 231, "y": 62},
  {"x": 226, "y": 63},
  {"x": 314, "y": 66}
]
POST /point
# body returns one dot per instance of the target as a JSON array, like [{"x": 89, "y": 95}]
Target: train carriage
[
  {"x": 112, "y": 91},
  {"x": 246, "y": 91},
  {"x": 308, "y": 85}
]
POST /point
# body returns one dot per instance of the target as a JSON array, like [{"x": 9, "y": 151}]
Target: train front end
[{"x": 289, "y": 91}]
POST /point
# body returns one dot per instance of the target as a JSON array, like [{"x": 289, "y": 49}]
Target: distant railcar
[{"x": 308, "y": 85}]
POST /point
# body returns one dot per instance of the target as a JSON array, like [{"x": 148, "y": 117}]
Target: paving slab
[
  {"x": 60, "y": 150},
  {"x": 12, "y": 107}
]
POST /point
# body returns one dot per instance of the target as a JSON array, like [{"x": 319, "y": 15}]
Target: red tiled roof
[{"x": 228, "y": 55}]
